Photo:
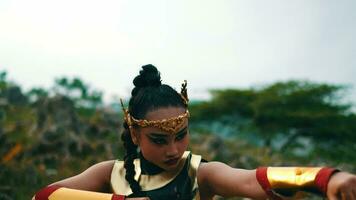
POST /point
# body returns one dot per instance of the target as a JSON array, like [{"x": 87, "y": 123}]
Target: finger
[
  {"x": 353, "y": 196},
  {"x": 334, "y": 196},
  {"x": 346, "y": 195}
]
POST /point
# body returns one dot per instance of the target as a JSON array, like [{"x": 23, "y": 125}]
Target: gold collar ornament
[{"x": 170, "y": 125}]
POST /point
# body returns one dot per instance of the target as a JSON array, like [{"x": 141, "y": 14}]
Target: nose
[{"x": 172, "y": 150}]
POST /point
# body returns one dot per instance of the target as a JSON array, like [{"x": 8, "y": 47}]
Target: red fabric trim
[
  {"x": 44, "y": 193},
  {"x": 261, "y": 175},
  {"x": 117, "y": 197},
  {"x": 322, "y": 178}
]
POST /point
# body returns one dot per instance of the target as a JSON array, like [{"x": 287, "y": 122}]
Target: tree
[
  {"x": 284, "y": 115},
  {"x": 79, "y": 92}
]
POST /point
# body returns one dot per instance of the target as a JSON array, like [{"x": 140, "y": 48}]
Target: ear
[{"x": 134, "y": 136}]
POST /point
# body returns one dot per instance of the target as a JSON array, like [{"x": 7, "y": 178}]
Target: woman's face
[{"x": 162, "y": 148}]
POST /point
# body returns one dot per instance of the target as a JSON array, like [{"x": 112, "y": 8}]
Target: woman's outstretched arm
[
  {"x": 217, "y": 178},
  {"x": 95, "y": 178}
]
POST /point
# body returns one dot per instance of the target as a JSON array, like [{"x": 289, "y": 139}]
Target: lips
[{"x": 172, "y": 161}]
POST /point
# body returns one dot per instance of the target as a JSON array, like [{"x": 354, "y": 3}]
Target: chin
[{"x": 171, "y": 167}]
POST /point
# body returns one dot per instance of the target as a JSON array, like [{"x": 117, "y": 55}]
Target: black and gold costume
[{"x": 158, "y": 184}]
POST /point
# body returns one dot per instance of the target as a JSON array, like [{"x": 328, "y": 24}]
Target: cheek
[
  {"x": 149, "y": 150},
  {"x": 183, "y": 144}
]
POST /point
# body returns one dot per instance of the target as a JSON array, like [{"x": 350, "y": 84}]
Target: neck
[{"x": 149, "y": 168}]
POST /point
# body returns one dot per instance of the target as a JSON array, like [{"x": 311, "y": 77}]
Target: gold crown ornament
[{"x": 170, "y": 125}]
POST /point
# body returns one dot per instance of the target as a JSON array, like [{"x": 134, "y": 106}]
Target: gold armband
[
  {"x": 280, "y": 182},
  {"x": 62, "y": 193}
]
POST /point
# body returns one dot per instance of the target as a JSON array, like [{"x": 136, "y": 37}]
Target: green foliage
[
  {"x": 52, "y": 135},
  {"x": 79, "y": 92},
  {"x": 285, "y": 116},
  {"x": 3, "y": 82},
  {"x": 225, "y": 102},
  {"x": 37, "y": 93}
]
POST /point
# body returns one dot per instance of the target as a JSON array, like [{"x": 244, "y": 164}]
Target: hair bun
[{"x": 149, "y": 76}]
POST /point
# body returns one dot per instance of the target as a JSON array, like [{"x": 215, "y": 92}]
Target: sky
[{"x": 212, "y": 44}]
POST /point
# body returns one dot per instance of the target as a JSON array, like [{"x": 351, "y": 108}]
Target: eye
[
  {"x": 158, "y": 140},
  {"x": 181, "y": 136}
]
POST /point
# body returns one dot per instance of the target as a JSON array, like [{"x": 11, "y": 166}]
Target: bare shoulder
[
  {"x": 215, "y": 172},
  {"x": 104, "y": 167},
  {"x": 205, "y": 174},
  {"x": 101, "y": 170},
  {"x": 217, "y": 178},
  {"x": 95, "y": 178},
  {"x": 209, "y": 169}
]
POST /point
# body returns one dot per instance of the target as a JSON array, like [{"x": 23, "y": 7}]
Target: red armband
[
  {"x": 323, "y": 177},
  {"x": 44, "y": 193},
  {"x": 280, "y": 182}
]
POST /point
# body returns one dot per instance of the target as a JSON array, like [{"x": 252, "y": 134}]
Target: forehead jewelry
[{"x": 170, "y": 125}]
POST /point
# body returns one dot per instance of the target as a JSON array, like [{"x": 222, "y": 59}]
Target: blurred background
[{"x": 270, "y": 83}]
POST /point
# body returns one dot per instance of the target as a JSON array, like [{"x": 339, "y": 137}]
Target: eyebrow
[{"x": 166, "y": 135}]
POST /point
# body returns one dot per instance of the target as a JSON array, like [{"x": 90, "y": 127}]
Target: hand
[{"x": 342, "y": 186}]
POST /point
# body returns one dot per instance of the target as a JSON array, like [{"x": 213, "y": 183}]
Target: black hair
[{"x": 148, "y": 94}]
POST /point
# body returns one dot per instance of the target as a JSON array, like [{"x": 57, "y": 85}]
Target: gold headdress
[
  {"x": 170, "y": 125},
  {"x": 183, "y": 93}
]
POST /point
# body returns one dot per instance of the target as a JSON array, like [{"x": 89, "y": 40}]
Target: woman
[{"x": 156, "y": 123}]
